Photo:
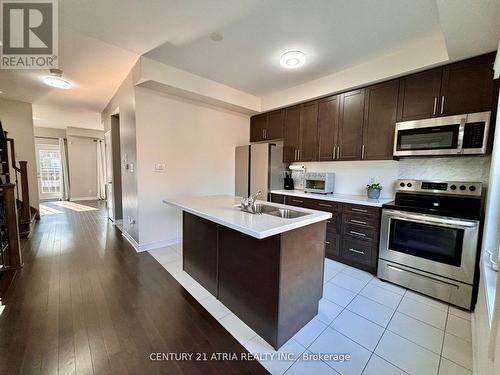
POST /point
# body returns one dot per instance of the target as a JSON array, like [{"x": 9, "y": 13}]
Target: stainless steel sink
[{"x": 286, "y": 213}]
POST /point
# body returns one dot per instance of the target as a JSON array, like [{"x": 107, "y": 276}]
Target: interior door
[
  {"x": 109, "y": 176},
  {"x": 49, "y": 171}
]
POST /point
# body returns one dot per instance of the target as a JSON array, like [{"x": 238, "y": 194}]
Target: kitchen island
[{"x": 266, "y": 268}]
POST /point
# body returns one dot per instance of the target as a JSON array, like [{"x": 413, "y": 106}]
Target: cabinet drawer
[
  {"x": 361, "y": 233},
  {"x": 361, "y": 220},
  {"x": 359, "y": 251},
  {"x": 277, "y": 198},
  {"x": 299, "y": 202},
  {"x": 332, "y": 246},
  {"x": 329, "y": 206},
  {"x": 361, "y": 210}
]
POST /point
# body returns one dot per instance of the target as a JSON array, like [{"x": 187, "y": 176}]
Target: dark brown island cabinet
[
  {"x": 359, "y": 124},
  {"x": 272, "y": 284},
  {"x": 352, "y": 234}
]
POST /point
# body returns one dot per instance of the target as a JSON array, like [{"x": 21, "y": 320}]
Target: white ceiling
[{"x": 100, "y": 40}]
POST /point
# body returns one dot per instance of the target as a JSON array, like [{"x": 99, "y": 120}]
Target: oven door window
[
  {"x": 315, "y": 184},
  {"x": 431, "y": 138},
  {"x": 433, "y": 242}
]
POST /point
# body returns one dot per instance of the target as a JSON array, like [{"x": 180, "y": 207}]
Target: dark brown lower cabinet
[
  {"x": 273, "y": 285},
  {"x": 352, "y": 235}
]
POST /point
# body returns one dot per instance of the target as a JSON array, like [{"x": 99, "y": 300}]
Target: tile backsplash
[{"x": 351, "y": 177}]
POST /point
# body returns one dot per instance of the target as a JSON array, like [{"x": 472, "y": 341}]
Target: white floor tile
[
  {"x": 459, "y": 312},
  {"x": 457, "y": 350},
  {"x": 239, "y": 330},
  {"x": 381, "y": 295},
  {"x": 358, "y": 329},
  {"x": 316, "y": 367},
  {"x": 420, "y": 333},
  {"x": 423, "y": 312},
  {"x": 348, "y": 282},
  {"x": 310, "y": 332},
  {"x": 215, "y": 307},
  {"x": 459, "y": 327},
  {"x": 334, "y": 265},
  {"x": 330, "y": 271},
  {"x": 406, "y": 355},
  {"x": 197, "y": 291},
  {"x": 427, "y": 300},
  {"x": 371, "y": 310},
  {"x": 358, "y": 274},
  {"x": 271, "y": 361},
  {"x": 388, "y": 286},
  {"x": 328, "y": 311},
  {"x": 337, "y": 294},
  {"x": 379, "y": 366},
  {"x": 332, "y": 341},
  {"x": 447, "y": 367}
]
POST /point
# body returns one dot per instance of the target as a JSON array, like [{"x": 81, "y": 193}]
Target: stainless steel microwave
[{"x": 451, "y": 135}]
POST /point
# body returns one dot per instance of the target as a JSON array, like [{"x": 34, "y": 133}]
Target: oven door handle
[{"x": 449, "y": 223}]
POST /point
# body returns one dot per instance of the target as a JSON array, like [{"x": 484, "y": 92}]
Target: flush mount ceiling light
[
  {"x": 293, "y": 59},
  {"x": 55, "y": 80}
]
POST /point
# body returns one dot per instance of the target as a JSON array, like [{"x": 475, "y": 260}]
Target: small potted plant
[{"x": 373, "y": 190}]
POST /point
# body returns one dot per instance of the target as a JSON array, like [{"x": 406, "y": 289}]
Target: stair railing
[
  {"x": 21, "y": 179},
  {"x": 10, "y": 249}
]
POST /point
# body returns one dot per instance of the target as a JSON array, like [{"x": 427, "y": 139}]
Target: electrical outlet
[{"x": 159, "y": 167}]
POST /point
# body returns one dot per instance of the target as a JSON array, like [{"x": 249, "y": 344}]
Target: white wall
[
  {"x": 17, "y": 119},
  {"x": 196, "y": 142}
]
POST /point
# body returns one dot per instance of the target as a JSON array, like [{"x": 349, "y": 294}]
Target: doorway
[
  {"x": 113, "y": 171},
  {"x": 49, "y": 171}
]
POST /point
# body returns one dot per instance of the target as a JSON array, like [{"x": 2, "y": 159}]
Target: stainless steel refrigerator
[{"x": 259, "y": 167}]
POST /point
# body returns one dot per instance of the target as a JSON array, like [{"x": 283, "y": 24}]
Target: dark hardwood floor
[{"x": 86, "y": 302}]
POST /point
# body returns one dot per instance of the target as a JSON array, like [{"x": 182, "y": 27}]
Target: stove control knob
[
  {"x": 462, "y": 187},
  {"x": 402, "y": 184},
  {"x": 472, "y": 188},
  {"x": 453, "y": 187},
  {"x": 409, "y": 184}
]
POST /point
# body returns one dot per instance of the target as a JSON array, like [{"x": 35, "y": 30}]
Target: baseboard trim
[
  {"x": 150, "y": 245},
  {"x": 84, "y": 199},
  {"x": 159, "y": 244}
]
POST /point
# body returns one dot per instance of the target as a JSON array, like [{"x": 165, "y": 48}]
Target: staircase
[{"x": 17, "y": 173}]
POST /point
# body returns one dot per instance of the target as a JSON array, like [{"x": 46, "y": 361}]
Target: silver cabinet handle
[
  {"x": 435, "y": 105},
  {"x": 327, "y": 242},
  {"x": 357, "y": 251},
  {"x": 263, "y": 136},
  {"x": 340, "y": 152},
  {"x": 442, "y": 104},
  {"x": 358, "y": 221},
  {"x": 298, "y": 154},
  {"x": 295, "y": 155},
  {"x": 325, "y": 205},
  {"x": 363, "y": 152},
  {"x": 329, "y": 221},
  {"x": 297, "y": 201},
  {"x": 334, "y": 153},
  {"x": 357, "y": 233},
  {"x": 358, "y": 210}
]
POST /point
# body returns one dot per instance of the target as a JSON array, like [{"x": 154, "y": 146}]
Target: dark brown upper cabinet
[
  {"x": 328, "y": 128},
  {"x": 275, "y": 124},
  {"x": 258, "y": 125},
  {"x": 351, "y": 124},
  {"x": 292, "y": 131},
  {"x": 381, "y": 105},
  {"x": 267, "y": 126},
  {"x": 468, "y": 86},
  {"x": 308, "y": 132},
  {"x": 419, "y": 95}
]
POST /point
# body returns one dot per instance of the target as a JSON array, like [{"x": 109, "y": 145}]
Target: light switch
[{"x": 159, "y": 167}]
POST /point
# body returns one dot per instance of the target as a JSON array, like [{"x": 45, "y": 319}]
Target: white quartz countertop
[
  {"x": 342, "y": 198},
  {"x": 223, "y": 210}
]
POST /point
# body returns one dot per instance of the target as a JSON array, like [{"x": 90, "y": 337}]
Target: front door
[
  {"x": 49, "y": 171},
  {"x": 109, "y": 176}
]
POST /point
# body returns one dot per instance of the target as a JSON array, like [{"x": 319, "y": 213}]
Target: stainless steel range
[{"x": 429, "y": 239}]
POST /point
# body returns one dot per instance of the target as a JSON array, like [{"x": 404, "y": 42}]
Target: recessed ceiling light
[
  {"x": 216, "y": 37},
  {"x": 55, "y": 80},
  {"x": 292, "y": 59}
]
